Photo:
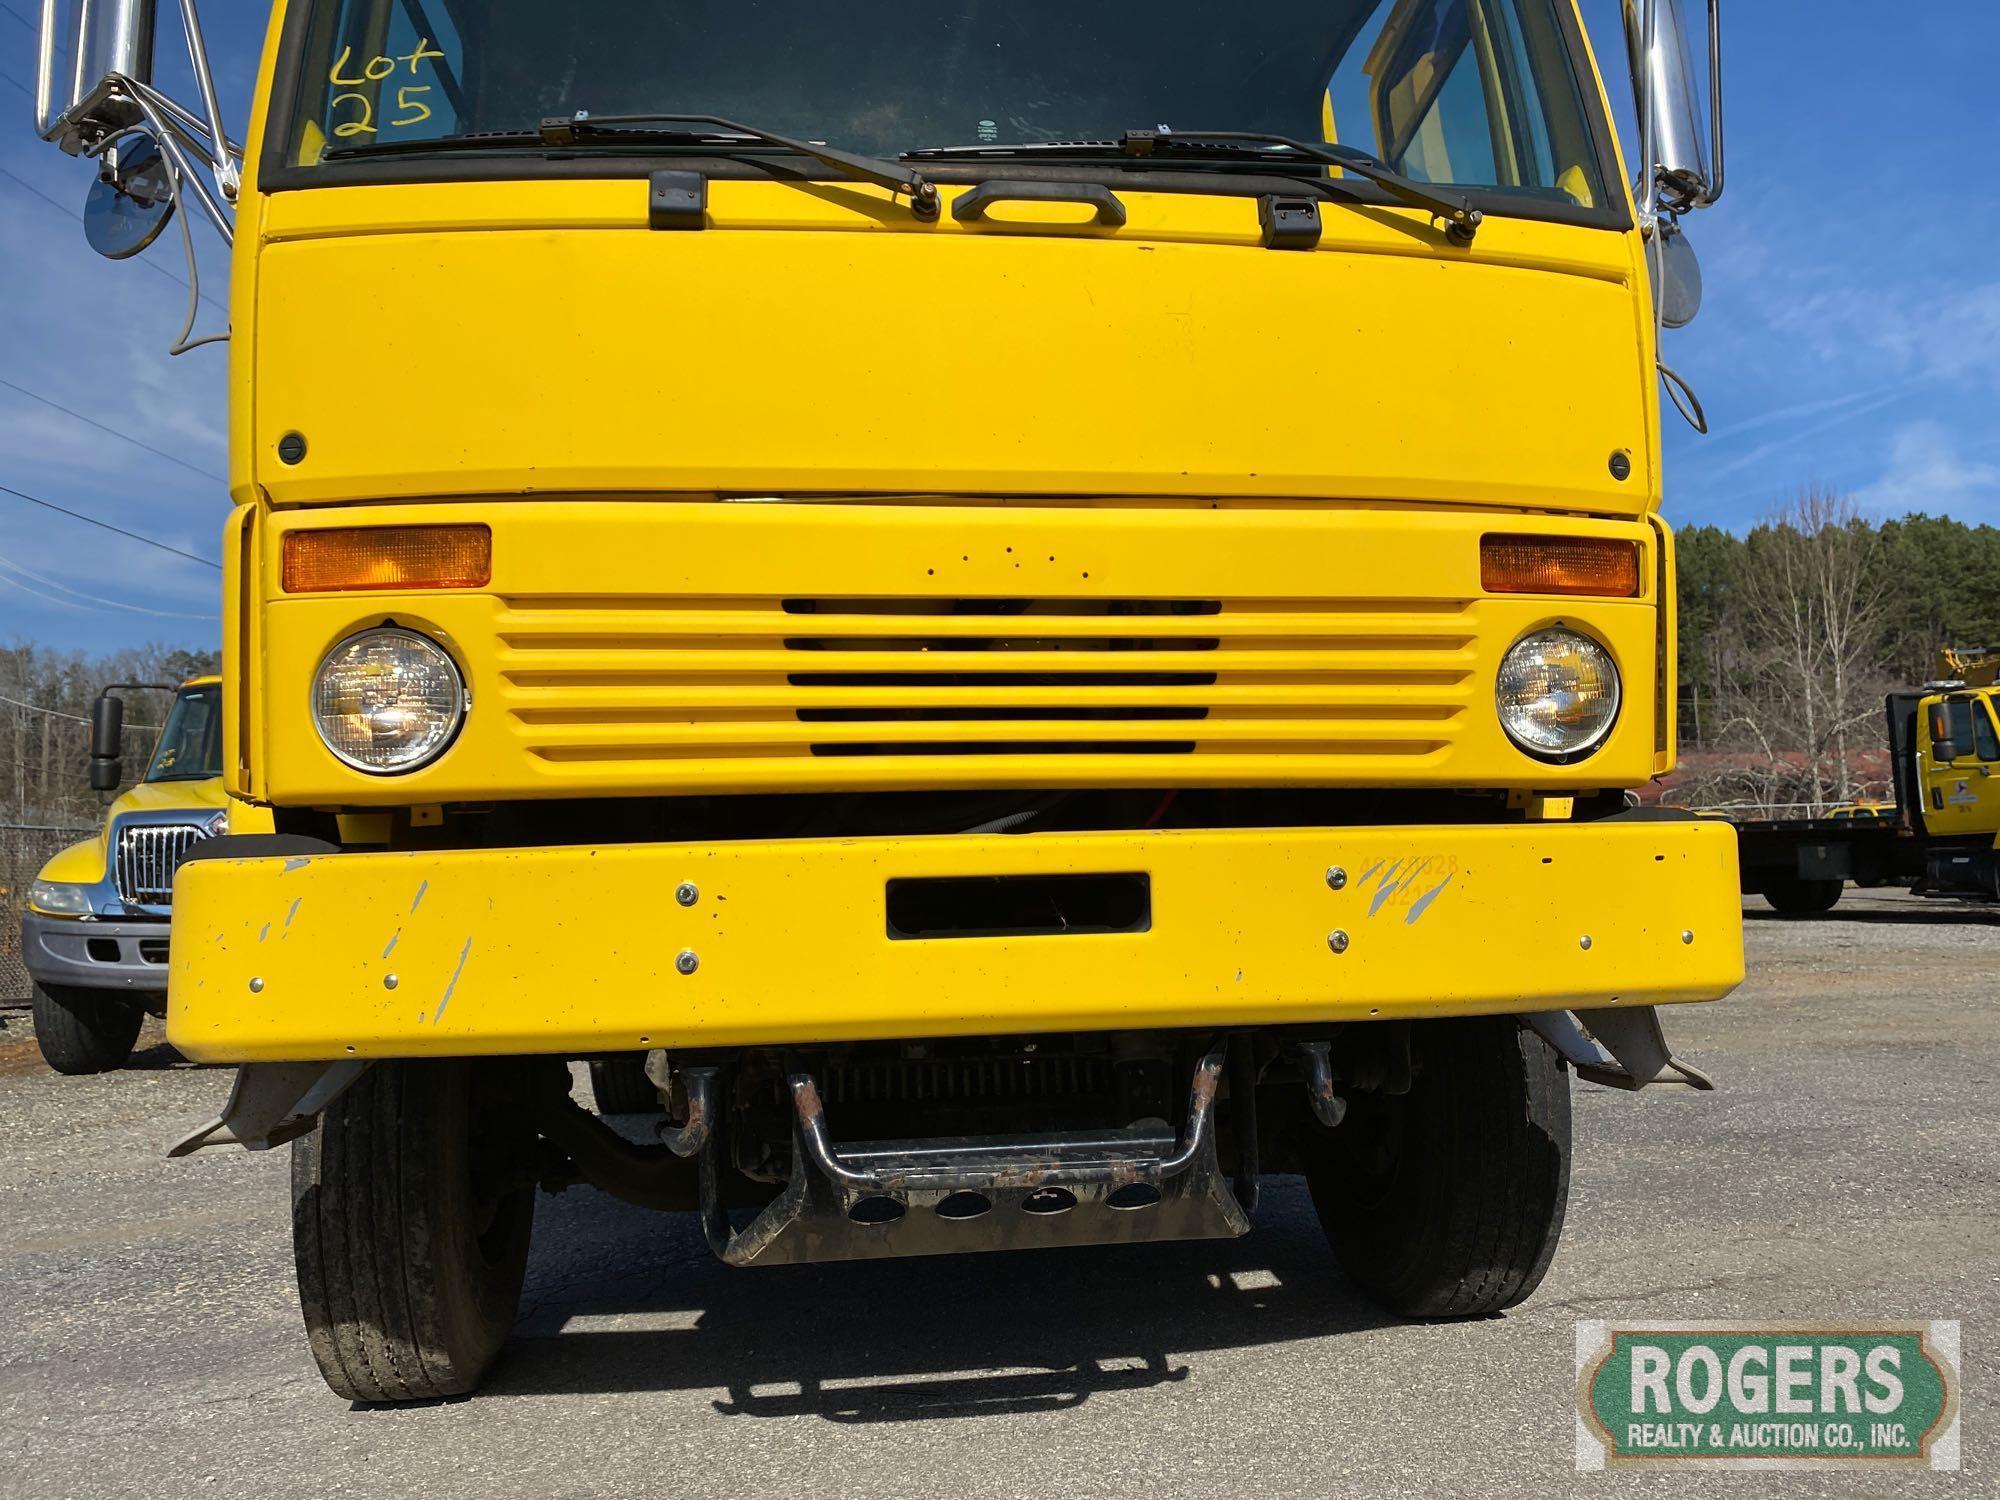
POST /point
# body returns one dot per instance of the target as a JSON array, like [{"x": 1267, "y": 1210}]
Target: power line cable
[
  {"x": 11, "y": 566},
  {"x": 37, "y": 593},
  {"x": 55, "y": 713},
  {"x": 37, "y": 708},
  {"x": 10, "y": 78},
  {"x": 78, "y": 515},
  {"x": 19, "y": 17},
  {"x": 113, "y": 431},
  {"x": 152, "y": 265}
]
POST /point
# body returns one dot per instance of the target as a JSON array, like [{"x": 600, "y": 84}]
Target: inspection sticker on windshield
[{"x": 1696, "y": 1395}]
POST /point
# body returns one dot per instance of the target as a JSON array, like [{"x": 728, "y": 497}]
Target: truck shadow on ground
[
  {"x": 909, "y": 1340},
  {"x": 163, "y": 1057},
  {"x": 1897, "y": 916}
]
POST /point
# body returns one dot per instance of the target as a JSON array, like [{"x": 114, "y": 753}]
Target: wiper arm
[
  {"x": 1461, "y": 219},
  {"x": 570, "y": 130}
]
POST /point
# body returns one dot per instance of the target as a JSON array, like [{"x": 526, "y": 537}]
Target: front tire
[
  {"x": 84, "y": 1031},
  {"x": 1802, "y": 898},
  {"x": 409, "y": 1272},
  {"x": 1447, "y": 1201}
]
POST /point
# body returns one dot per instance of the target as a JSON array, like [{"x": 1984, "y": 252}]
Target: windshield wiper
[
  {"x": 1461, "y": 219},
  {"x": 559, "y": 131},
  {"x": 580, "y": 128},
  {"x": 475, "y": 140}
]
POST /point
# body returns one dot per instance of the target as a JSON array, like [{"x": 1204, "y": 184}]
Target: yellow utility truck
[
  {"x": 94, "y": 930},
  {"x": 1038, "y": 610},
  {"x": 1940, "y": 837}
]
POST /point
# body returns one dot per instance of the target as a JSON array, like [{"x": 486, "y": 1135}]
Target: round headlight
[
  {"x": 1557, "y": 693},
  {"x": 387, "y": 700}
]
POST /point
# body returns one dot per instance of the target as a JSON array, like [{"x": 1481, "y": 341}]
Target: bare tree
[
  {"x": 45, "y": 697},
  {"x": 1813, "y": 598}
]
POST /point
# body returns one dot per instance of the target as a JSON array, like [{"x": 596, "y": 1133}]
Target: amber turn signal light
[
  {"x": 388, "y": 557},
  {"x": 1559, "y": 565}
]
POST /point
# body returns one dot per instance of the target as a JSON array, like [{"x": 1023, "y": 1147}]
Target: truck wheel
[
  {"x": 620, "y": 1086},
  {"x": 84, "y": 1031},
  {"x": 1801, "y": 898},
  {"x": 1447, "y": 1201},
  {"x": 409, "y": 1272}
]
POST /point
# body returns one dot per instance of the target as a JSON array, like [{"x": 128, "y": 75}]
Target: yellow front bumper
[{"x": 579, "y": 949}]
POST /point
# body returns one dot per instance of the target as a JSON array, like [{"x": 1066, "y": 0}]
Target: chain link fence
[{"x": 24, "y": 849}]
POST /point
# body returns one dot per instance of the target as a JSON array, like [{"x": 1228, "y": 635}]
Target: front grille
[
  {"x": 1243, "y": 688},
  {"x": 148, "y": 855}
]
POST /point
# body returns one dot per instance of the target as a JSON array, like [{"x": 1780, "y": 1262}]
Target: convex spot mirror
[
  {"x": 1676, "y": 275},
  {"x": 131, "y": 200}
]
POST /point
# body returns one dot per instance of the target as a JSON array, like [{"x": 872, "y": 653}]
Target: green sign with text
[{"x": 1731, "y": 1395}]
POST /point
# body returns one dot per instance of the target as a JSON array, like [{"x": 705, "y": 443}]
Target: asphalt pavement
[{"x": 150, "y": 1342}]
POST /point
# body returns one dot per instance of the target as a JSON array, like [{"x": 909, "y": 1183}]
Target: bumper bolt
[
  {"x": 390, "y": 981},
  {"x": 1336, "y": 878},
  {"x": 686, "y": 893},
  {"x": 1337, "y": 940},
  {"x": 1687, "y": 937},
  {"x": 257, "y": 985},
  {"x": 687, "y": 961},
  {"x": 1584, "y": 941}
]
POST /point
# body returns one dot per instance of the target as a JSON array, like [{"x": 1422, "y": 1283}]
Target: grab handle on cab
[{"x": 971, "y": 207}]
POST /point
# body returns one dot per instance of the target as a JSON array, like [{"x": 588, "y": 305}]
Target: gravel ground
[{"x": 150, "y": 1341}]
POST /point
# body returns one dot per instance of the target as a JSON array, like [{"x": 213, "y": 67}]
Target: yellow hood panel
[
  {"x": 168, "y": 796},
  {"x": 536, "y": 338},
  {"x": 83, "y": 863}
]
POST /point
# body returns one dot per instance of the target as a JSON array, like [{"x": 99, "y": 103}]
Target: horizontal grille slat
[
  {"x": 147, "y": 856},
  {"x": 1386, "y": 664},
  {"x": 556, "y": 703},
  {"x": 781, "y": 732},
  {"x": 1228, "y": 682},
  {"x": 577, "y": 630}
]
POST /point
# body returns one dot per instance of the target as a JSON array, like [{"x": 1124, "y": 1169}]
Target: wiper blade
[
  {"x": 571, "y": 130},
  {"x": 1461, "y": 219},
  {"x": 477, "y": 140}
]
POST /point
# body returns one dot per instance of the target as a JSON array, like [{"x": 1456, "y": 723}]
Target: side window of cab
[
  {"x": 1473, "y": 92},
  {"x": 1985, "y": 743}
]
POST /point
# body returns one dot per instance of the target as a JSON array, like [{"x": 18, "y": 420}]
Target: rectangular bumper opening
[{"x": 1019, "y": 906}]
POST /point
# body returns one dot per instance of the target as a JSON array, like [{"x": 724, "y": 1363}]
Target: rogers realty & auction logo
[{"x": 1767, "y": 1396}]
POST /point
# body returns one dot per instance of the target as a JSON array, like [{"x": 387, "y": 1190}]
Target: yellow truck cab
[
  {"x": 94, "y": 932},
  {"x": 1036, "y": 611}
]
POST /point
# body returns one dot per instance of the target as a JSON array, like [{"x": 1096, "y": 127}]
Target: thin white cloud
[
  {"x": 1845, "y": 414},
  {"x": 1928, "y": 470},
  {"x": 1949, "y": 334}
]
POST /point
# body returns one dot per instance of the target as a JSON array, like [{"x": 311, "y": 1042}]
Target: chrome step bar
[{"x": 958, "y": 1194}]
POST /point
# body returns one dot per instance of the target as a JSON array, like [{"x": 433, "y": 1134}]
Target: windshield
[
  {"x": 1479, "y": 93},
  {"x": 190, "y": 747}
]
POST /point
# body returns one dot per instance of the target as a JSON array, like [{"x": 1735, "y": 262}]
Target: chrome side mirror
[
  {"x": 131, "y": 200},
  {"x": 153, "y": 153},
  {"x": 1678, "y": 169}
]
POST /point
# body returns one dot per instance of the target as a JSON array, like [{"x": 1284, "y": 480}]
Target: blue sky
[{"x": 1850, "y": 336}]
